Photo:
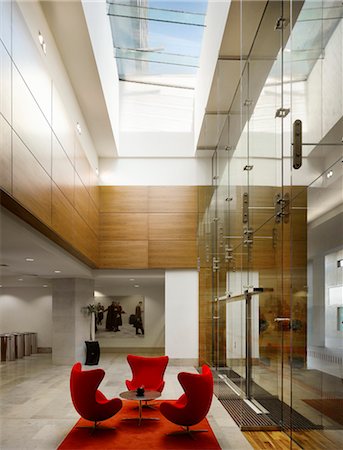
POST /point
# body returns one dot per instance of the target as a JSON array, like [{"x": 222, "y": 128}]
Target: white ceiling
[{"x": 19, "y": 241}]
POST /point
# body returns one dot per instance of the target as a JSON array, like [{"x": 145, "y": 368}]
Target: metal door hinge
[
  {"x": 245, "y": 207},
  {"x": 215, "y": 264},
  {"x": 297, "y": 144},
  {"x": 247, "y": 237},
  {"x": 281, "y": 23},
  {"x": 281, "y": 205}
]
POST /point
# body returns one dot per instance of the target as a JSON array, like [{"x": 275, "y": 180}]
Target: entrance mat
[
  {"x": 151, "y": 434},
  {"x": 330, "y": 407},
  {"x": 279, "y": 416}
]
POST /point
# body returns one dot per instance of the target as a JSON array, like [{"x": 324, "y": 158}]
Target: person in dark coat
[
  {"x": 112, "y": 312},
  {"x": 139, "y": 320}
]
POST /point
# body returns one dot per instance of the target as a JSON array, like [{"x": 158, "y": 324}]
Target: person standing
[{"x": 139, "y": 319}]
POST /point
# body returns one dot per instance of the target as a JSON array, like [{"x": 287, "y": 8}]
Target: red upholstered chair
[
  {"x": 147, "y": 372},
  {"x": 88, "y": 401},
  {"x": 194, "y": 404}
]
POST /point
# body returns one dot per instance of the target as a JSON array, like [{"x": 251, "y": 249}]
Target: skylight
[{"x": 157, "y": 41}]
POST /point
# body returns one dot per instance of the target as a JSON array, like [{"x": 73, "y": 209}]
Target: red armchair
[
  {"x": 194, "y": 404},
  {"x": 147, "y": 372},
  {"x": 88, "y": 401}
]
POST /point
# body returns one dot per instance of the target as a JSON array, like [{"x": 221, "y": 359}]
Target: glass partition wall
[{"x": 271, "y": 228}]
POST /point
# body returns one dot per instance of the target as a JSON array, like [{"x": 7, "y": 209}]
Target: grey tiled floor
[{"x": 36, "y": 411}]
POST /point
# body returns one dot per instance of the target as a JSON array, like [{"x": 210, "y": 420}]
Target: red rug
[{"x": 150, "y": 435}]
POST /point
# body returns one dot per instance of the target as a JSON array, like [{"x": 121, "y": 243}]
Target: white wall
[
  {"x": 153, "y": 318},
  {"x": 182, "y": 314},
  {"x": 27, "y": 309},
  {"x": 155, "y": 171}
]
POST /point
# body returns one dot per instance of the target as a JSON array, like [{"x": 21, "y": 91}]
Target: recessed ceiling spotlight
[
  {"x": 329, "y": 174},
  {"x": 340, "y": 263},
  {"x": 78, "y": 128},
  {"x": 42, "y": 42},
  {"x": 132, "y": 279},
  {"x": 20, "y": 279},
  {"x": 136, "y": 285},
  {"x": 0, "y": 285},
  {"x": 3, "y": 265},
  {"x": 45, "y": 285},
  {"x": 57, "y": 271},
  {"x": 40, "y": 38},
  {"x": 29, "y": 259}
]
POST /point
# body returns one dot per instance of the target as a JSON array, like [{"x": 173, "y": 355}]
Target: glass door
[{"x": 315, "y": 69}]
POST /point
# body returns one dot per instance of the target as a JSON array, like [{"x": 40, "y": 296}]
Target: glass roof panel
[{"x": 157, "y": 39}]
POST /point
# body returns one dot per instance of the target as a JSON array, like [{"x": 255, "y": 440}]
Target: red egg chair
[
  {"x": 147, "y": 372},
  {"x": 88, "y": 401},
  {"x": 192, "y": 407}
]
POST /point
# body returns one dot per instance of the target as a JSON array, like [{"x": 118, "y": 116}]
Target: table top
[{"x": 132, "y": 395}]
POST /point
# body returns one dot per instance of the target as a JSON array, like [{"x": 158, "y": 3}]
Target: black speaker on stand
[{"x": 93, "y": 353}]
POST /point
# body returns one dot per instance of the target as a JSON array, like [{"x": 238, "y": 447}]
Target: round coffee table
[{"x": 132, "y": 395}]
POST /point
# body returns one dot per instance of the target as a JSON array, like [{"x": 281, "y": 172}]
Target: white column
[
  {"x": 182, "y": 315},
  {"x": 70, "y": 326}
]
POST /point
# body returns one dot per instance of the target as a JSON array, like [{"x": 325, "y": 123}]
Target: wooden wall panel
[
  {"x": 84, "y": 238},
  {"x": 62, "y": 170},
  {"x": 5, "y": 83},
  {"x": 94, "y": 189},
  {"x": 173, "y": 199},
  {"x": 172, "y": 254},
  {"x": 81, "y": 198},
  {"x": 124, "y": 227},
  {"x": 124, "y": 199},
  {"x": 124, "y": 254},
  {"x": 5, "y": 155},
  {"x": 62, "y": 217},
  {"x": 164, "y": 227},
  {"x": 82, "y": 165},
  {"x": 35, "y": 132},
  {"x": 61, "y": 125},
  {"x": 93, "y": 218},
  {"x": 32, "y": 188}
]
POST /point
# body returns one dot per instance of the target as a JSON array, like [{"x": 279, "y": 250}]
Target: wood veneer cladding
[
  {"x": 173, "y": 199},
  {"x": 124, "y": 199},
  {"x": 124, "y": 227},
  {"x": 5, "y": 155},
  {"x": 84, "y": 239},
  {"x": 172, "y": 254},
  {"x": 124, "y": 254},
  {"x": 164, "y": 227},
  {"x": 62, "y": 170},
  {"x": 62, "y": 215},
  {"x": 81, "y": 198},
  {"x": 32, "y": 188},
  {"x": 82, "y": 165}
]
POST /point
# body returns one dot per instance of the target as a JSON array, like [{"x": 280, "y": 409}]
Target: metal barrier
[
  {"x": 7, "y": 342},
  {"x": 19, "y": 344}
]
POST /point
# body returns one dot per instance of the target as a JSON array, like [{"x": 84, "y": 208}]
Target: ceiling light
[
  {"x": 3, "y": 265},
  {"x": 340, "y": 263},
  {"x": 97, "y": 171},
  {"x": 45, "y": 285},
  {"x": 42, "y": 42},
  {"x": 20, "y": 279},
  {"x": 29, "y": 259},
  {"x": 0, "y": 285},
  {"x": 57, "y": 271},
  {"x": 248, "y": 167},
  {"x": 78, "y": 128},
  {"x": 329, "y": 174},
  {"x": 40, "y": 38},
  {"x": 136, "y": 285},
  {"x": 132, "y": 279}
]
